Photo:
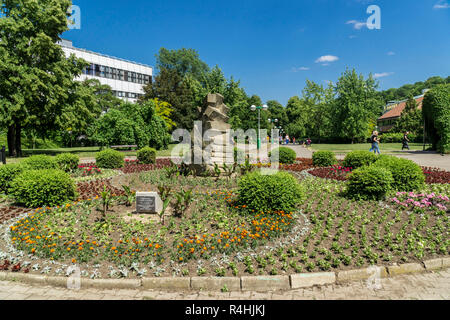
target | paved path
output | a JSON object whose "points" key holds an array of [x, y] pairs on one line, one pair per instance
{"points": [[425, 286]]}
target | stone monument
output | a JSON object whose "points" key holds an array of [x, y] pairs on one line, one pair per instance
{"points": [[214, 135]]}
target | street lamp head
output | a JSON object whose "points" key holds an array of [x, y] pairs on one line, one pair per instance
{"points": [[276, 120], [265, 107], [253, 107], [270, 120]]}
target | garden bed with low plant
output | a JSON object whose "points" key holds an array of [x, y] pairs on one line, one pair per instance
{"points": [[207, 231]]}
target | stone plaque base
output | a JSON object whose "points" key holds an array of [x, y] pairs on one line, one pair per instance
{"points": [[148, 202]]}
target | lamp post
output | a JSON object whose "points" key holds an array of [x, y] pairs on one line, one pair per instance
{"points": [[254, 108]]}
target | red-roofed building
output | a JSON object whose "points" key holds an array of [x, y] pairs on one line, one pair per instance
{"points": [[392, 112]]}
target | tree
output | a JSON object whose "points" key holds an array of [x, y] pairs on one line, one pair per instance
{"points": [[436, 112], [164, 110], [318, 101], [131, 124], [183, 61], [277, 111], [297, 117], [355, 106], [36, 78], [171, 87]]}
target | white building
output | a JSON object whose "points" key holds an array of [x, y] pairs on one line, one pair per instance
{"points": [[126, 78]]}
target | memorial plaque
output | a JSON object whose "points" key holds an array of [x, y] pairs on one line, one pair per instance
{"points": [[148, 202]]}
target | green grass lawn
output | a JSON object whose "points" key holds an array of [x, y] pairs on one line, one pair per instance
{"points": [[82, 152], [384, 147]]}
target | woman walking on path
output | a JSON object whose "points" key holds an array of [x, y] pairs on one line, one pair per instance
{"points": [[375, 140]]}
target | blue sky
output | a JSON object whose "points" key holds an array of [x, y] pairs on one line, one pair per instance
{"points": [[274, 46]]}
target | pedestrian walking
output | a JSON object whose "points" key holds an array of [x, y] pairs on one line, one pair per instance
{"points": [[375, 143], [405, 141]]}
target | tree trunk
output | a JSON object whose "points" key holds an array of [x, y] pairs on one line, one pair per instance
{"points": [[18, 140], [11, 141]]}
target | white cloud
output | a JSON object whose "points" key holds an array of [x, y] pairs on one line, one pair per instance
{"points": [[326, 59], [294, 69], [383, 74], [352, 37], [357, 24], [391, 53], [442, 5]]}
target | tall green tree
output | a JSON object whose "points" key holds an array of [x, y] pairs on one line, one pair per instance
{"points": [[131, 123], [356, 105], [170, 86], [436, 112], [36, 79], [184, 61], [297, 115], [318, 103]]}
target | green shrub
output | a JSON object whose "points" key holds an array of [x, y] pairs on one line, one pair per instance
{"points": [[369, 183], [286, 155], [67, 162], [408, 175], [7, 174], [359, 158], [38, 188], [40, 162], [279, 191], [324, 158], [146, 155], [397, 137], [109, 159]]}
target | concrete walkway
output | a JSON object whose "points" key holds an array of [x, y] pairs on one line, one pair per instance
{"points": [[425, 286]]}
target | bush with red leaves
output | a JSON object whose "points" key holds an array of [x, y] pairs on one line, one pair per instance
{"points": [[335, 172], [134, 166], [435, 175], [91, 189]]}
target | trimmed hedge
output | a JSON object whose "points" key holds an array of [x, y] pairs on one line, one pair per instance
{"points": [[39, 188], [7, 174], [369, 183], [109, 159], [408, 176], [40, 162], [277, 192], [285, 155], [324, 158], [397, 137], [146, 155], [67, 162], [359, 158]]}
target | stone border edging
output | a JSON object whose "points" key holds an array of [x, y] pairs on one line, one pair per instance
{"points": [[244, 283]]}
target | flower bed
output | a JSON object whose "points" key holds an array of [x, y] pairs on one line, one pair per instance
{"points": [[94, 188], [432, 175], [335, 172], [133, 166], [422, 200]]}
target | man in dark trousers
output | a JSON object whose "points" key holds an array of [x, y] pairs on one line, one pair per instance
{"points": [[405, 141]]}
